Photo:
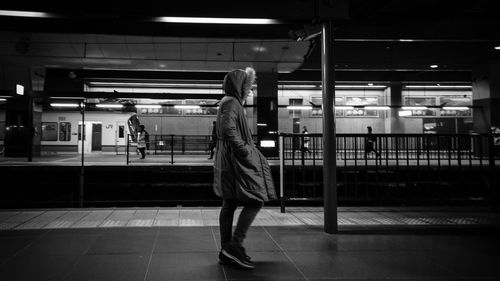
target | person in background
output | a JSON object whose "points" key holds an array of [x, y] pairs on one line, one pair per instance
{"points": [[370, 141], [141, 141], [213, 141], [241, 173], [305, 140]]}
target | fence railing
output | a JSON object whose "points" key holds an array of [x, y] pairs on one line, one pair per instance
{"points": [[391, 167], [384, 167]]}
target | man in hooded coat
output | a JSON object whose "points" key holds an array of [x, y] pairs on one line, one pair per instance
{"points": [[241, 173]]}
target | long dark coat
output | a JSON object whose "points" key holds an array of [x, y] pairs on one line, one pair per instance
{"points": [[240, 170]]}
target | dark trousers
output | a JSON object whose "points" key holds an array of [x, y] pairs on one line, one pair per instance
{"points": [[211, 148], [142, 150], [247, 216]]}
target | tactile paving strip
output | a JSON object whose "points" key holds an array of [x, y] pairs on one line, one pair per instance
{"points": [[78, 218]]}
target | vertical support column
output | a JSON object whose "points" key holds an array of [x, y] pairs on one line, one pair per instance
{"points": [[396, 125], [486, 97], [329, 151], [82, 168], [267, 109]]}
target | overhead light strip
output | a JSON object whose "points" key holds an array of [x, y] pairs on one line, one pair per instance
{"points": [[26, 14], [64, 105], [182, 106], [109, 105], [198, 20]]}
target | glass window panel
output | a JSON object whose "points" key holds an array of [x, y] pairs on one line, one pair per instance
{"points": [[64, 131], [421, 101], [49, 131], [2, 130], [121, 131]]}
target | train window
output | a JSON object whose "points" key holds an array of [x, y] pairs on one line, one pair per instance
{"points": [[64, 131], [360, 112], [80, 132], [421, 101], [2, 130], [49, 131], [295, 113], [121, 131]]}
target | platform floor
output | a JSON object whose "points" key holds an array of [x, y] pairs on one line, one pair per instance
{"points": [[183, 243]]}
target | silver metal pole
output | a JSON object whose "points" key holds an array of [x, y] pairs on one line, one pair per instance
{"points": [[82, 168], [282, 178], [329, 164]]}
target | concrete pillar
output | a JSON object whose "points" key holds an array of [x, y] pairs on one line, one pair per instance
{"points": [[21, 122], [486, 96], [396, 123], [267, 108]]}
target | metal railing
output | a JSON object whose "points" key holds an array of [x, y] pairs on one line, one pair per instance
{"points": [[390, 167], [399, 168]]}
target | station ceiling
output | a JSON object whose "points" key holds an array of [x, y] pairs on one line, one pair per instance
{"points": [[375, 39]]}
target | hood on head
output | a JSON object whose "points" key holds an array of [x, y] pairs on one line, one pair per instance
{"points": [[238, 83]]}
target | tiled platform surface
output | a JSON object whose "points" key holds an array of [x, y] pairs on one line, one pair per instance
{"points": [[269, 216], [183, 244]]}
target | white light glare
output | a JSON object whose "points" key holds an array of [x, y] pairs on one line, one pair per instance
{"points": [[414, 107], [267, 143], [368, 107], [183, 106], [148, 106], [2, 99], [439, 86], [455, 108], [109, 105], [64, 105], [404, 113], [216, 20], [19, 89], [497, 47], [299, 107], [433, 66], [10, 13], [262, 124]]}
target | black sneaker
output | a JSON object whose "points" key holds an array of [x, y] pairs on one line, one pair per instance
{"points": [[223, 259], [237, 255]]}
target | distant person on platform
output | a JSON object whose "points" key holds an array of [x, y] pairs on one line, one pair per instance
{"points": [[241, 173], [370, 142], [142, 137], [305, 140], [213, 142]]}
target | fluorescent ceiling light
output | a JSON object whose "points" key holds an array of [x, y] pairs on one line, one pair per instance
{"points": [[370, 84], [109, 105], [2, 99], [216, 20], [406, 40], [19, 89], [261, 124], [149, 85], [148, 105], [346, 107], [377, 107], [186, 106], [299, 107], [414, 107], [433, 66], [497, 47], [267, 143], [11, 13], [361, 86], [455, 108], [439, 86], [404, 113], [64, 105]]}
